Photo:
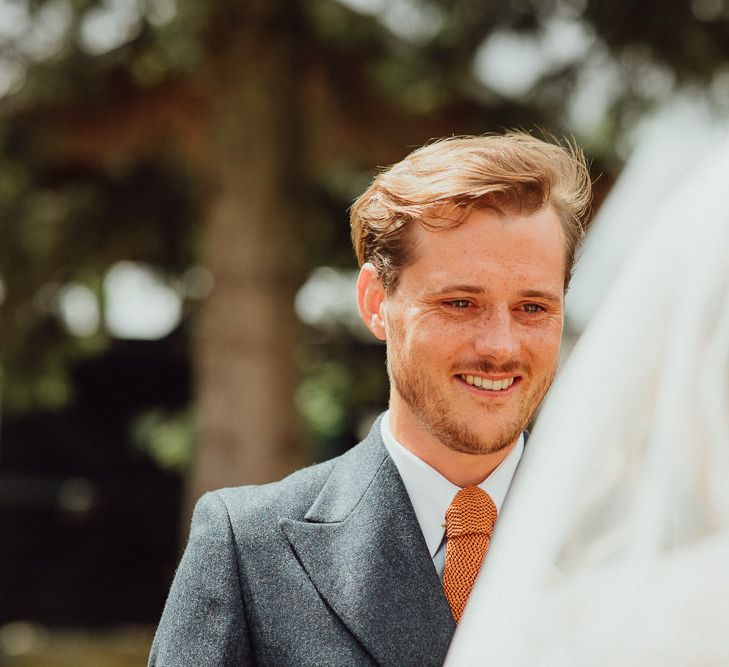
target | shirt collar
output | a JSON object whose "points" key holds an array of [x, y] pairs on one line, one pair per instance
{"points": [[431, 493]]}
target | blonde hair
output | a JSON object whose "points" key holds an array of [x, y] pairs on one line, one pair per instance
{"points": [[508, 172]]}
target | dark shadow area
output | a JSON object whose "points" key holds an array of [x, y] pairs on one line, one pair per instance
{"points": [[90, 521]]}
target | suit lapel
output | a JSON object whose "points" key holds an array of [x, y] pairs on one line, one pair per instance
{"points": [[363, 550]]}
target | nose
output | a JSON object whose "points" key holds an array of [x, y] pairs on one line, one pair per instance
{"points": [[495, 337]]}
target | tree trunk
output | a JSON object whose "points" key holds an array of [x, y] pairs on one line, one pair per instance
{"points": [[244, 345]]}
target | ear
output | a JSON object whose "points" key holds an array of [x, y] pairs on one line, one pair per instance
{"points": [[371, 300]]}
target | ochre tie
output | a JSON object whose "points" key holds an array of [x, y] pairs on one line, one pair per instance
{"points": [[469, 523]]}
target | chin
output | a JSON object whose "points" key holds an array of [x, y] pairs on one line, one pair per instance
{"points": [[479, 442]]}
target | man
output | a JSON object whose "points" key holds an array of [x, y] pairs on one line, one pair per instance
{"points": [[466, 248]]}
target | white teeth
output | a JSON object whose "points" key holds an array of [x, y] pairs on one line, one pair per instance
{"points": [[485, 383]]}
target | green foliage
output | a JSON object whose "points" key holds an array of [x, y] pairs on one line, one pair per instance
{"points": [[337, 27], [323, 397], [168, 438], [342, 381], [67, 224], [691, 38]]}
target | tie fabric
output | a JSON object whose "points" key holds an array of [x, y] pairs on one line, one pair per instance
{"points": [[470, 521]]}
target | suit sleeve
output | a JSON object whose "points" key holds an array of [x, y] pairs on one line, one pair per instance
{"points": [[204, 621]]}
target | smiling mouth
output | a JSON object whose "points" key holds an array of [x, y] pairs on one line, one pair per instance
{"points": [[489, 385]]}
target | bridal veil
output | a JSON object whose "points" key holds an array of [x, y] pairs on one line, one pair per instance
{"points": [[613, 545]]}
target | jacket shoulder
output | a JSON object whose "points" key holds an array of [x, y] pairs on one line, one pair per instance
{"points": [[290, 496], [293, 496]]}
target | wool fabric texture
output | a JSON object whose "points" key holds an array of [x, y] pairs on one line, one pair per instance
{"points": [[470, 520], [326, 567]]}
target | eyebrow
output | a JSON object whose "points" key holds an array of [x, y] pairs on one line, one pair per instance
{"points": [[540, 294], [469, 289], [473, 289]]}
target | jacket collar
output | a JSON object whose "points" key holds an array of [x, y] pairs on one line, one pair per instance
{"points": [[362, 548]]}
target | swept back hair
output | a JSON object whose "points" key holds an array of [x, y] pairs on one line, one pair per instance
{"points": [[510, 172]]}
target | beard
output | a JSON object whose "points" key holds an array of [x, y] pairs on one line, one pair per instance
{"points": [[435, 414]]}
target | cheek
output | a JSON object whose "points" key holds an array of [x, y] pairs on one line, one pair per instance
{"points": [[436, 339], [399, 341], [544, 346], [421, 331]]}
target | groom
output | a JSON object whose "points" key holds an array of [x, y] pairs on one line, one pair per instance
{"points": [[466, 248]]}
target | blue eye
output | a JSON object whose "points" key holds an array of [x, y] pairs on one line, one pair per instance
{"points": [[532, 308]]}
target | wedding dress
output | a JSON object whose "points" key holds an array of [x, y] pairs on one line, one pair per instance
{"points": [[612, 548]]}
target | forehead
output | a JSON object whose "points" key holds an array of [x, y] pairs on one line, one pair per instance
{"points": [[490, 248]]}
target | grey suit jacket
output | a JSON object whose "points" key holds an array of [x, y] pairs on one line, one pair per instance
{"points": [[326, 567]]}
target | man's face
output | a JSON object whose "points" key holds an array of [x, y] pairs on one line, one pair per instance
{"points": [[473, 328]]}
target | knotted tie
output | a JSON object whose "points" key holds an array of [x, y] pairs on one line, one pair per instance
{"points": [[470, 521]]}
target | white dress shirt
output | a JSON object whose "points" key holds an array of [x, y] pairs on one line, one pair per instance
{"points": [[431, 494]]}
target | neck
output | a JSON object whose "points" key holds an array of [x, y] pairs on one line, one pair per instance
{"points": [[458, 468]]}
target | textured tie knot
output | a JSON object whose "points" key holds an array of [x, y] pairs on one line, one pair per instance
{"points": [[471, 512]]}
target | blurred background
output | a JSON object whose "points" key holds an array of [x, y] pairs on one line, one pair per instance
{"points": [[176, 277]]}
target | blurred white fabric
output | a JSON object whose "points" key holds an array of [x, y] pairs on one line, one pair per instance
{"points": [[675, 137], [613, 545]]}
